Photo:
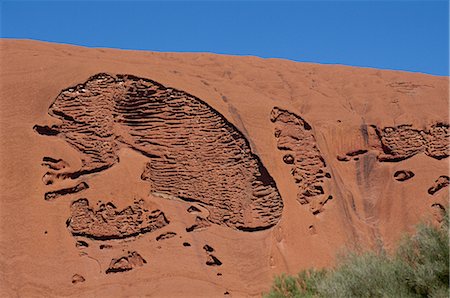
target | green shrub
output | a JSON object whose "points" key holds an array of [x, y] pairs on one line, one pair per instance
{"points": [[419, 268], [303, 285], [365, 275], [426, 255]]}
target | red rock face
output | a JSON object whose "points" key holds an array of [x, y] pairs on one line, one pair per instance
{"points": [[179, 175], [126, 263], [195, 153], [295, 137], [403, 142], [107, 222]]}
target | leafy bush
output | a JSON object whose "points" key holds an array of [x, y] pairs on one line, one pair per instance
{"points": [[426, 259], [303, 285], [419, 268]]}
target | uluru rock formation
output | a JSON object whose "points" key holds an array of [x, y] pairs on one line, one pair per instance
{"points": [[195, 153], [131, 173]]}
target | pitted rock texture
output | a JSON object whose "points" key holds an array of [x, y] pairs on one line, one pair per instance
{"points": [[51, 195], [196, 154], [440, 183], [352, 154], [165, 236], [403, 175], [295, 137], [126, 263], [107, 222], [200, 224], [54, 164], [406, 87], [77, 278], [213, 261], [404, 141]]}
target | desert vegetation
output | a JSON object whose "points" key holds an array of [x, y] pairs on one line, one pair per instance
{"points": [[418, 268]]}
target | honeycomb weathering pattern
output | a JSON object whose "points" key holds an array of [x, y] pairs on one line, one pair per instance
{"points": [[126, 263], [308, 168], [403, 141], [195, 153], [107, 222]]}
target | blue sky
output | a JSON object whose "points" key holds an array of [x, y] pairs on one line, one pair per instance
{"points": [[403, 35]]}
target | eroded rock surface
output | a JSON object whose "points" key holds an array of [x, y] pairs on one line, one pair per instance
{"points": [[439, 183], [106, 222], [196, 154], [200, 223], [51, 195], [404, 141], [308, 168], [77, 278], [126, 263], [165, 236], [403, 175]]}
